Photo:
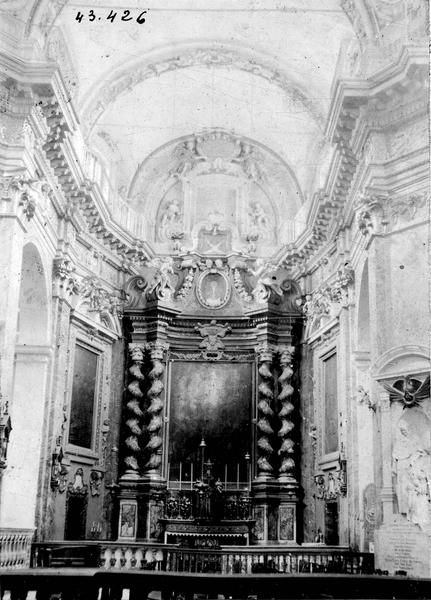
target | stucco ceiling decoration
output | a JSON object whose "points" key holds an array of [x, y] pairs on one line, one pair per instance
{"points": [[215, 191], [211, 55]]}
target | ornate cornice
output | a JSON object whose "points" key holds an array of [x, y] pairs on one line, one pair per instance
{"points": [[346, 121]]}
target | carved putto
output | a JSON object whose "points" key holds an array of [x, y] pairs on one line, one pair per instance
{"points": [[161, 285], [171, 222]]}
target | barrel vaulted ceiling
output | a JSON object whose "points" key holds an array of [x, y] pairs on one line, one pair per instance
{"points": [[260, 70]]}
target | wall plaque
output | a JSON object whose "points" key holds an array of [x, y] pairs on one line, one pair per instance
{"points": [[402, 546]]}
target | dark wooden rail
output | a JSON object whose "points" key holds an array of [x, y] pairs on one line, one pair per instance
{"points": [[228, 560], [95, 584]]}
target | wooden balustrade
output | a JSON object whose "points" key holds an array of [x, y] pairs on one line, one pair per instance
{"points": [[96, 584], [230, 560], [248, 560], [15, 548]]}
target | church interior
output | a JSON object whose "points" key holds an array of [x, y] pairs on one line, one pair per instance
{"points": [[214, 303]]}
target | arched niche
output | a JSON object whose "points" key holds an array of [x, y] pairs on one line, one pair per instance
{"points": [[33, 299], [19, 487], [396, 362]]}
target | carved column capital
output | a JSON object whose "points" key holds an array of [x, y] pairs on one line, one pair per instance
{"points": [[371, 211], [65, 282], [157, 349], [286, 353], [136, 352], [265, 352]]}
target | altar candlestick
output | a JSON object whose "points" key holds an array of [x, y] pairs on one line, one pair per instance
{"points": [[237, 476], [169, 471], [225, 477], [191, 476], [181, 473]]}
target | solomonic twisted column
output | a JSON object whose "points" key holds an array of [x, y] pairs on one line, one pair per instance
{"points": [[134, 413], [286, 451], [264, 429], [155, 409]]}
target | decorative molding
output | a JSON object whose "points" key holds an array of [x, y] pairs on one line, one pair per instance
{"points": [[409, 391], [377, 212], [337, 290], [240, 287], [222, 356], [56, 50], [212, 334], [98, 298], [187, 285], [394, 363], [331, 485]]}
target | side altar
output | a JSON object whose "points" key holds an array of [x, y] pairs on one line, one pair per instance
{"points": [[211, 366]]}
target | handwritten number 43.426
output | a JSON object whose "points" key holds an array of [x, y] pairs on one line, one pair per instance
{"points": [[112, 16]]}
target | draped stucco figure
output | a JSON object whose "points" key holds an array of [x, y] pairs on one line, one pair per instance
{"points": [[411, 465]]}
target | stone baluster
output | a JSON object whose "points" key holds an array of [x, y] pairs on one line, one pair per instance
{"points": [[265, 431], [134, 413], [287, 464], [155, 410]]}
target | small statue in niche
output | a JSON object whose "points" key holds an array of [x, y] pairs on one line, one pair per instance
{"points": [[318, 538], [96, 478]]}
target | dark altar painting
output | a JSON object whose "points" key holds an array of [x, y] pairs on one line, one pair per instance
{"points": [[214, 401]]}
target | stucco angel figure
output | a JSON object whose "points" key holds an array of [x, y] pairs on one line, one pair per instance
{"points": [[171, 221], [411, 465], [161, 283], [251, 163], [186, 159]]}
